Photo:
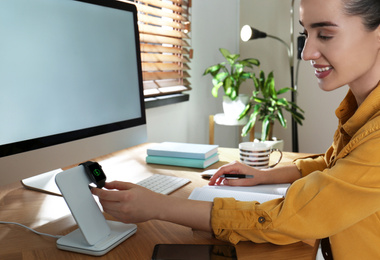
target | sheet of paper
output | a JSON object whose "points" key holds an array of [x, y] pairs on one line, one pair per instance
{"points": [[260, 193]]}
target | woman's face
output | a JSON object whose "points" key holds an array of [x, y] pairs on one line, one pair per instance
{"points": [[339, 47]]}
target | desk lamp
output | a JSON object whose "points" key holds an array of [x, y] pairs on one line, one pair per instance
{"points": [[249, 33]]}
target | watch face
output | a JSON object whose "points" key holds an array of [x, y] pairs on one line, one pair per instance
{"points": [[97, 172]]}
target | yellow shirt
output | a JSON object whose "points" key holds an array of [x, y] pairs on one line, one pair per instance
{"points": [[337, 197]]}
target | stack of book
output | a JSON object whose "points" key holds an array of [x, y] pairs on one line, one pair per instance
{"points": [[183, 154]]}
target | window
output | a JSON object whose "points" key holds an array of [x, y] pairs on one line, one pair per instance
{"points": [[165, 51]]}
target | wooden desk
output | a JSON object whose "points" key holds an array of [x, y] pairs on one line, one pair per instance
{"points": [[49, 214]]}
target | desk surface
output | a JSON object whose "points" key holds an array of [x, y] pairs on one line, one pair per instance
{"points": [[49, 214]]}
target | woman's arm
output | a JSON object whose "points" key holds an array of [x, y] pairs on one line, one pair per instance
{"points": [[131, 203], [284, 174]]}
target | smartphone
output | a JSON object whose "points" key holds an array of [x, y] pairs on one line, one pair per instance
{"points": [[191, 252]]}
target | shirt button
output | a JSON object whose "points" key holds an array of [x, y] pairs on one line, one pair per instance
{"points": [[261, 220]]}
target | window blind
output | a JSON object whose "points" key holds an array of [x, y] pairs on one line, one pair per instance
{"points": [[164, 27]]}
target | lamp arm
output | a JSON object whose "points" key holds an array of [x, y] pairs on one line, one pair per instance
{"points": [[294, 82], [287, 48], [292, 34], [291, 46]]}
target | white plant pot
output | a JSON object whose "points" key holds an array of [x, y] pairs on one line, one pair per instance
{"points": [[233, 108]]}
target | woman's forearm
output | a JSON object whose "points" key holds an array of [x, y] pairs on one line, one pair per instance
{"points": [[285, 174], [191, 213]]}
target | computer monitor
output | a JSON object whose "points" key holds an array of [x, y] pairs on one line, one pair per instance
{"points": [[70, 83]]}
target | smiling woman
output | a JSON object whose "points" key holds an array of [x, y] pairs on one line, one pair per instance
{"points": [[334, 195], [341, 45]]}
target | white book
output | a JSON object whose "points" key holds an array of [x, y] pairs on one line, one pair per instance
{"points": [[260, 193], [183, 150]]}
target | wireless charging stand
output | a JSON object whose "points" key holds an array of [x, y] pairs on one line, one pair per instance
{"points": [[95, 235]]}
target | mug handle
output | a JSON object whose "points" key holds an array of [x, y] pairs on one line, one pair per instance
{"points": [[275, 150]]}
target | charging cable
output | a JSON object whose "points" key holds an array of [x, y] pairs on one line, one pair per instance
{"points": [[38, 233]]}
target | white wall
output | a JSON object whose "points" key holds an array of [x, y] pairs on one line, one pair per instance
{"points": [[273, 17], [215, 24]]}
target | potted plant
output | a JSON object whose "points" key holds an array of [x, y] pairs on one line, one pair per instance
{"points": [[266, 106], [230, 74]]}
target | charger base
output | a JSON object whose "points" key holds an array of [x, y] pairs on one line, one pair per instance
{"points": [[76, 242]]}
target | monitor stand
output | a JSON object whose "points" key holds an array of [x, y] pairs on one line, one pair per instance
{"points": [[95, 235], [44, 182]]}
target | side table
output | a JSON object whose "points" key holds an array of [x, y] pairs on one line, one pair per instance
{"points": [[221, 119]]}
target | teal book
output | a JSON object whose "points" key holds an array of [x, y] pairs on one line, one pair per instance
{"points": [[184, 162], [183, 150]]}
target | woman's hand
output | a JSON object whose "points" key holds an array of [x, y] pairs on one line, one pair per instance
{"points": [[236, 168], [282, 174], [128, 202]]}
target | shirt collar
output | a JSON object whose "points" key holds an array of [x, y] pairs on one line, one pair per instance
{"points": [[352, 117]]}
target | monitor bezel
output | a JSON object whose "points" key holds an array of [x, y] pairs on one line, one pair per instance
{"points": [[51, 140]]}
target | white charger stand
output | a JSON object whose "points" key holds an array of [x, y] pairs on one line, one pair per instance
{"points": [[96, 235]]}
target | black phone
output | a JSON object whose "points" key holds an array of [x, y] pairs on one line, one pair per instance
{"points": [[191, 252]]}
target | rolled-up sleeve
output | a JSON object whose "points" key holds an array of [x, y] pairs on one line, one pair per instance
{"points": [[310, 164], [230, 215]]}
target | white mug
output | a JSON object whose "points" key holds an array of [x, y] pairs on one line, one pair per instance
{"points": [[257, 154]]}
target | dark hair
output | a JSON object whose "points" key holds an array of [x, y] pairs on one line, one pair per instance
{"points": [[368, 10]]}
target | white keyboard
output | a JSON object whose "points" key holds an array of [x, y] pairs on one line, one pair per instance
{"points": [[163, 184]]}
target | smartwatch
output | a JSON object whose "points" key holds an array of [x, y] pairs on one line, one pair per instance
{"points": [[95, 173]]}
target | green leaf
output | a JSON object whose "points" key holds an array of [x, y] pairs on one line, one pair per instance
{"points": [[270, 85], [282, 102], [281, 118], [256, 83], [221, 76], [233, 57], [265, 128], [256, 109], [233, 94], [245, 75], [297, 115], [225, 52], [297, 119], [227, 83], [247, 128], [212, 69], [228, 91], [259, 100], [294, 105], [215, 82], [255, 62], [262, 84], [262, 76], [246, 110], [283, 90], [251, 121], [214, 90], [239, 68]]}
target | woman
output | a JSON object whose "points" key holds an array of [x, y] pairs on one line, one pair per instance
{"points": [[335, 195]]}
